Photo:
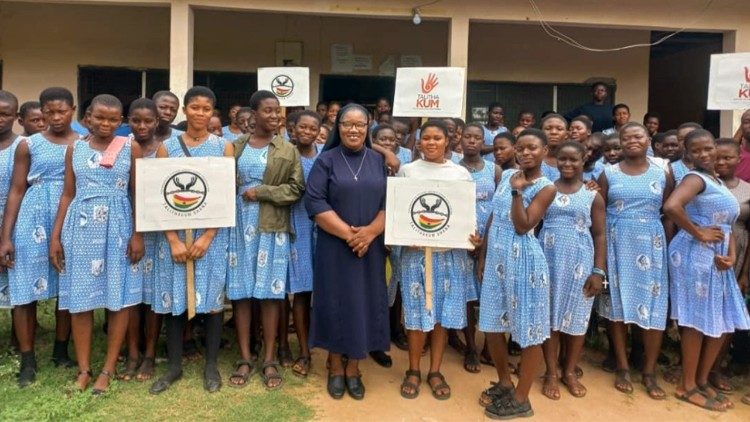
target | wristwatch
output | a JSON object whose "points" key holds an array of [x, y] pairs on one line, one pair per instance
{"points": [[515, 192], [600, 272]]}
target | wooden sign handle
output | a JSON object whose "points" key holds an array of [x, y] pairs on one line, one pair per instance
{"points": [[428, 278], [190, 272]]}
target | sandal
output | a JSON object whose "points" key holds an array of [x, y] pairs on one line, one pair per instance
{"points": [[623, 383], [708, 404], [471, 362], [652, 388], [88, 374], [711, 393], [414, 387], [575, 388], [746, 399], [578, 371], [550, 390], [673, 374], [285, 357], [99, 391], [301, 366], [131, 367], [275, 376], [239, 379], [720, 382], [496, 391], [146, 370], [441, 386]]}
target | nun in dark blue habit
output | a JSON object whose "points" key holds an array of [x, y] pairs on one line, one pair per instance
{"points": [[346, 198]]}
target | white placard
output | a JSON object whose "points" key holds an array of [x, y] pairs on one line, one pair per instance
{"points": [[291, 85], [729, 82], [362, 62], [429, 92], [342, 58], [184, 193], [430, 213]]}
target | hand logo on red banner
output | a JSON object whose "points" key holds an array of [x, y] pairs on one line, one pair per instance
{"points": [[432, 82]]}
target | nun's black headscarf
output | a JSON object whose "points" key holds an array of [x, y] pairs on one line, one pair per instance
{"points": [[334, 138]]}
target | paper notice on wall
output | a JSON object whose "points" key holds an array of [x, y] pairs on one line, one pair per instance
{"points": [[342, 58], [362, 62], [729, 82], [291, 85], [388, 67], [429, 92], [410, 60]]}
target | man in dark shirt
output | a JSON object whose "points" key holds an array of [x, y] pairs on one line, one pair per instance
{"points": [[599, 110]]}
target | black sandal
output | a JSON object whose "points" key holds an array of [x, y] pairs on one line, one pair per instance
{"points": [[471, 362], [244, 376], [131, 368], [271, 377], [301, 367], [496, 391], [110, 375], [712, 393], [623, 383], [652, 388], [709, 404], [441, 386], [408, 384]]}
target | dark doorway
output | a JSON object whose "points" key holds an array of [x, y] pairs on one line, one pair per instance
{"points": [[365, 90], [678, 79]]}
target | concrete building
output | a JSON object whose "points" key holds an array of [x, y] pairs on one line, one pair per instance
{"points": [[131, 48]]}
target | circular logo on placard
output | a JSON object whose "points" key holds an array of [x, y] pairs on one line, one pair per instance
{"points": [[184, 191], [282, 86], [430, 212]]}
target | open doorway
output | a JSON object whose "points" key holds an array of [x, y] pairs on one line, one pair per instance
{"points": [[678, 79]]}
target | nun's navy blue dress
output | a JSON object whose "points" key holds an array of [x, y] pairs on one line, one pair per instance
{"points": [[349, 305]]}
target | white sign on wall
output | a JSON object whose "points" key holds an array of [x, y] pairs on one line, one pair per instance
{"points": [[291, 85], [184, 193], [729, 82], [429, 92], [430, 213]]}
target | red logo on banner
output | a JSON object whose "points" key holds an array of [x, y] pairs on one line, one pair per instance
{"points": [[432, 82]]}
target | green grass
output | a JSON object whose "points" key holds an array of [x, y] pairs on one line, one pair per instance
{"points": [[54, 397]]}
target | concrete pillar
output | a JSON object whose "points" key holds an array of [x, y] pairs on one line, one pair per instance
{"points": [[181, 50], [458, 48]]}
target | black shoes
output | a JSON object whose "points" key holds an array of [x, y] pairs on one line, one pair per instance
{"points": [[509, 408], [355, 388], [211, 380], [382, 359], [336, 386], [27, 373], [162, 384]]}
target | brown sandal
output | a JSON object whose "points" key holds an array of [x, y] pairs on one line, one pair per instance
{"points": [[652, 388], [623, 383], [575, 388], [549, 391], [110, 375]]}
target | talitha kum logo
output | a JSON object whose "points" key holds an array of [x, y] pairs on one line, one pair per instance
{"points": [[430, 213], [282, 86], [185, 191], [427, 100]]}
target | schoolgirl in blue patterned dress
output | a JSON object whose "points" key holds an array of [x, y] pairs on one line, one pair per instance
{"points": [[167, 105], [485, 176], [305, 131], [635, 190], [450, 273], [515, 278], [555, 127], [94, 246], [270, 180], [682, 167], [574, 242], [208, 251], [143, 119], [705, 298], [37, 183], [8, 143]]}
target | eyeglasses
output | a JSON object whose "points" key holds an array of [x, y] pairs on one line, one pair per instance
{"points": [[350, 125]]}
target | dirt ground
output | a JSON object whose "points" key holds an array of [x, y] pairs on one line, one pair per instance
{"points": [[382, 401]]}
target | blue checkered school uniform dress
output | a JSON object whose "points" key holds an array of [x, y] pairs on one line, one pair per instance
{"points": [[404, 155], [149, 257], [636, 249], [515, 287], [258, 262], [6, 173], [701, 296], [484, 180], [95, 236], [679, 170], [33, 278], [301, 261], [210, 271], [569, 249], [551, 173]]}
